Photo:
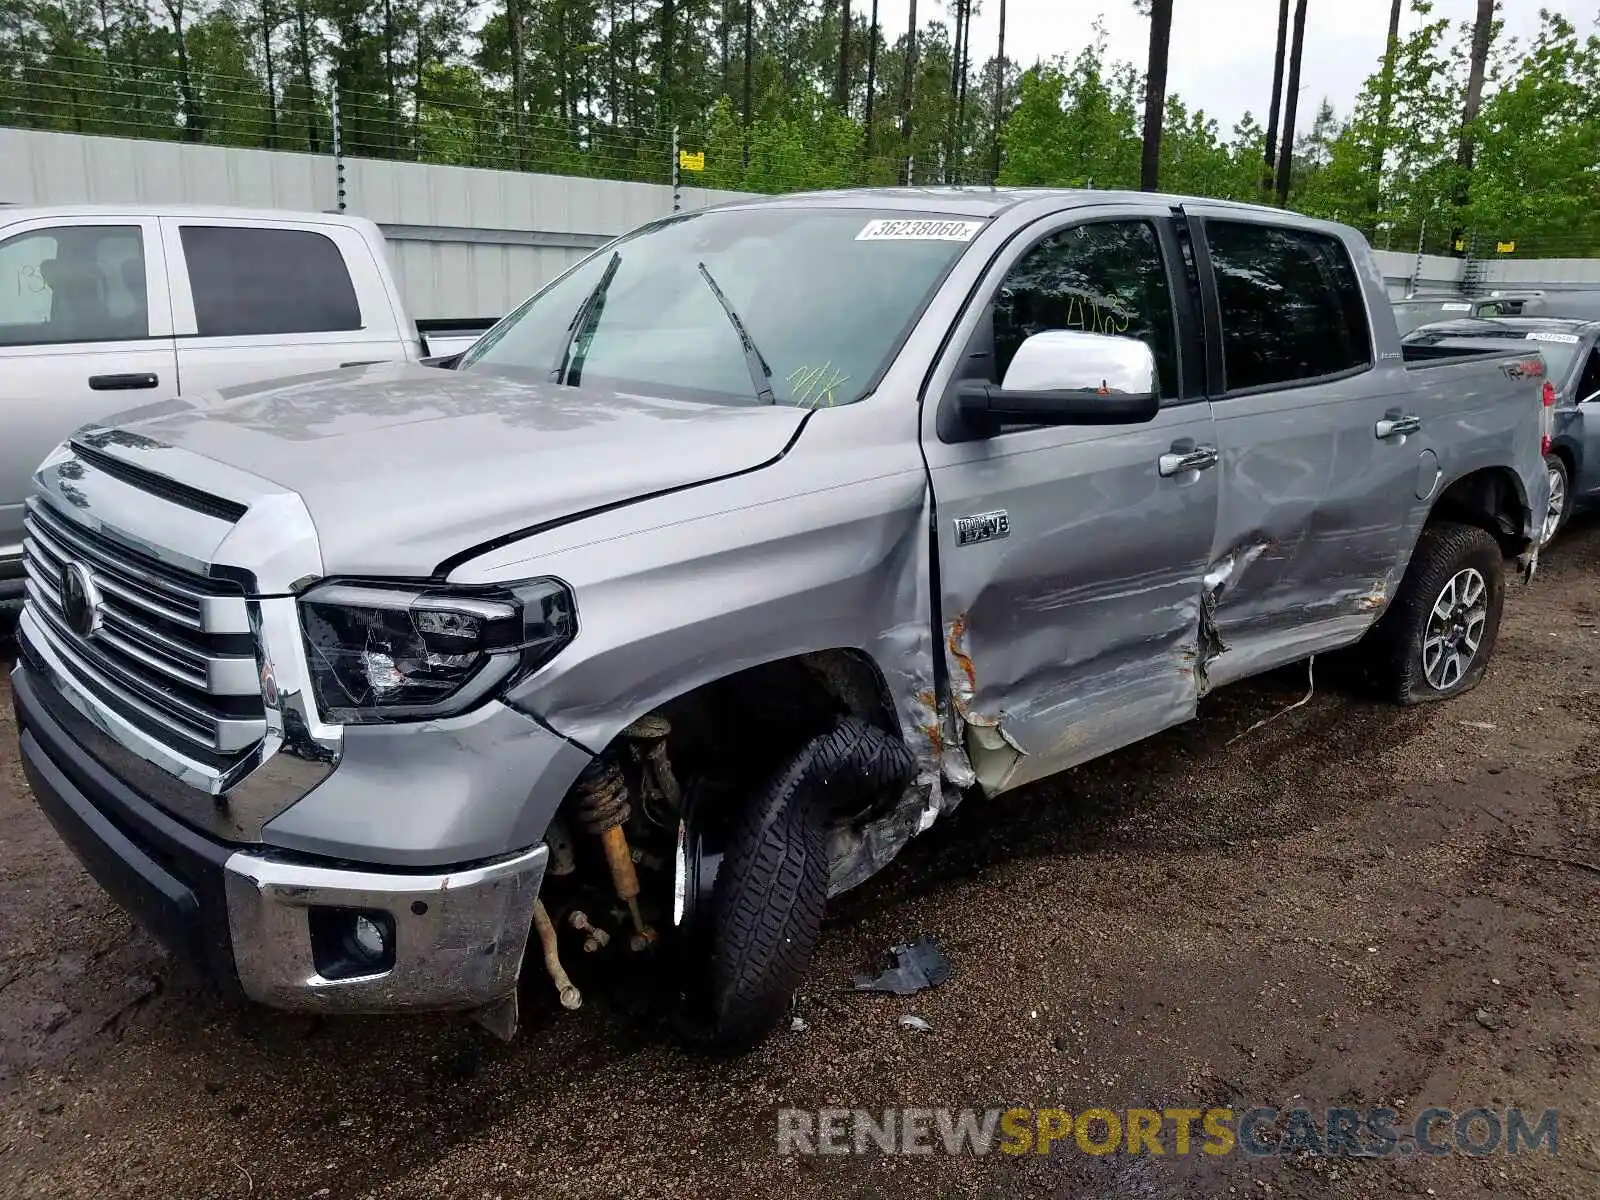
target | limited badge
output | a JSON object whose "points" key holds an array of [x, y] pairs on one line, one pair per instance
{"points": [[982, 527]]}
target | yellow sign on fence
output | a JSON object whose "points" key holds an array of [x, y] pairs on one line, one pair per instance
{"points": [[1506, 247], [692, 160]]}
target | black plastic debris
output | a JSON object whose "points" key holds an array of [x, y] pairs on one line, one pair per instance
{"points": [[918, 965]]}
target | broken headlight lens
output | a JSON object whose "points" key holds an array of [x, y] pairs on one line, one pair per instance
{"points": [[381, 652]]}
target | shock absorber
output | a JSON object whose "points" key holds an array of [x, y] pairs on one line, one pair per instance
{"points": [[658, 784], [601, 808]]}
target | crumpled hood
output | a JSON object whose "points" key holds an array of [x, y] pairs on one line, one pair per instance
{"points": [[403, 466]]}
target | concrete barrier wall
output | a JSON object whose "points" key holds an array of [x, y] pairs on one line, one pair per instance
{"points": [[466, 242]]}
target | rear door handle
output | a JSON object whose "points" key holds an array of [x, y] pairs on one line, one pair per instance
{"points": [[122, 383], [1201, 458], [1397, 425]]}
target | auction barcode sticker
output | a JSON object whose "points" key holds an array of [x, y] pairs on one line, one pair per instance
{"points": [[919, 231], [1565, 339]]}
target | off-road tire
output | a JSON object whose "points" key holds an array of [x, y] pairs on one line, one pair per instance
{"points": [[741, 964], [1392, 649], [766, 913]]}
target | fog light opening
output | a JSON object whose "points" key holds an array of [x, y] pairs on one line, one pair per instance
{"points": [[349, 943]]}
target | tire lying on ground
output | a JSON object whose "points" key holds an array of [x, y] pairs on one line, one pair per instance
{"points": [[1435, 639]]}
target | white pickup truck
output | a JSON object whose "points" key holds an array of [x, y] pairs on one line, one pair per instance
{"points": [[106, 308]]}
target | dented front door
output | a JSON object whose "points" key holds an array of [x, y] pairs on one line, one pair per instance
{"points": [[1069, 565]]}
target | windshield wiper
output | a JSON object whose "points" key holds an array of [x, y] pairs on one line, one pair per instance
{"points": [[583, 320], [760, 373]]}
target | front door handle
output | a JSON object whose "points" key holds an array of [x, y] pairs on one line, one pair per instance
{"points": [[1201, 458], [1397, 425], [122, 383]]}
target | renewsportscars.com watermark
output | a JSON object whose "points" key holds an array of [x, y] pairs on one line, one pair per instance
{"points": [[1257, 1132]]}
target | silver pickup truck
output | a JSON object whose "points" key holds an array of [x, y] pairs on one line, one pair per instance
{"points": [[725, 566]]}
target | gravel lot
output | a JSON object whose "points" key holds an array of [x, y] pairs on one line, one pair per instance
{"points": [[1325, 911]]}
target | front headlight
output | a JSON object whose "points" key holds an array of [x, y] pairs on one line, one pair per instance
{"points": [[382, 652]]}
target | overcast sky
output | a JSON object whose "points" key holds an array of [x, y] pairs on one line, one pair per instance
{"points": [[1221, 57]]}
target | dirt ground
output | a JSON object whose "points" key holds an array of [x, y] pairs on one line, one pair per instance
{"points": [[1326, 911]]}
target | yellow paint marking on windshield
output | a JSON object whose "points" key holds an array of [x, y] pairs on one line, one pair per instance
{"points": [[817, 384], [1086, 312]]}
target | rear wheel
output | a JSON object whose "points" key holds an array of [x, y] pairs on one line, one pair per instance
{"points": [[1560, 504], [1436, 639]]}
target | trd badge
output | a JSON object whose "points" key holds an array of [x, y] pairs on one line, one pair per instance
{"points": [[982, 527]]}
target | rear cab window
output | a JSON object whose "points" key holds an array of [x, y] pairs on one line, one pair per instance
{"points": [[254, 282], [73, 283], [1292, 307]]}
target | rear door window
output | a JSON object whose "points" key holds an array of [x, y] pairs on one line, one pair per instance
{"points": [[73, 283], [1292, 306], [267, 281]]}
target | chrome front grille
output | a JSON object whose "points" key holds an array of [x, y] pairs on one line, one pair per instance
{"points": [[167, 651]]}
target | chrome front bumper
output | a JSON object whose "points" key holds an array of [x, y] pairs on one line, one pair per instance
{"points": [[244, 915], [459, 935]]}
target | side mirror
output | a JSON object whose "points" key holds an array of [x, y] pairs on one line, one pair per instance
{"points": [[1066, 377]]}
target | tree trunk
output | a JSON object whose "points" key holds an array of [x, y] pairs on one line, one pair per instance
{"points": [[634, 118], [390, 85], [105, 36], [1380, 140], [1482, 31], [841, 87], [303, 49], [416, 88], [999, 91], [749, 77], [613, 97], [872, 77], [955, 50], [669, 21], [268, 25], [722, 40], [588, 85], [907, 94], [1291, 102], [563, 68], [961, 96], [514, 48], [193, 122], [1155, 93], [1269, 155]]}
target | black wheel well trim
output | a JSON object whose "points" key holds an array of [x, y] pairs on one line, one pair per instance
{"points": [[1491, 498]]}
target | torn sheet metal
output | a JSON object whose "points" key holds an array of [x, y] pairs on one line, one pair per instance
{"points": [[858, 851], [904, 652]]}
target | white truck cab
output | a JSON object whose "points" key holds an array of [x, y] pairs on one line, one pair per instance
{"points": [[107, 308]]}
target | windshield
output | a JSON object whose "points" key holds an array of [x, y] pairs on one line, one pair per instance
{"points": [[824, 297], [1559, 349], [1412, 314]]}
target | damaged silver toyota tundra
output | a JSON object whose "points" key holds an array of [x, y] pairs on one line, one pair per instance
{"points": [[725, 566]]}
